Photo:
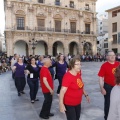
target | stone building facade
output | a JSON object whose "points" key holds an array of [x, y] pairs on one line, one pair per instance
{"points": [[114, 29], [60, 26]]}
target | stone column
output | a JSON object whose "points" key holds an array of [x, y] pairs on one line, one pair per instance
{"points": [[50, 46]]}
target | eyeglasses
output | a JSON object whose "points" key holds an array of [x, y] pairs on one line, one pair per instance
{"points": [[78, 64], [112, 55]]}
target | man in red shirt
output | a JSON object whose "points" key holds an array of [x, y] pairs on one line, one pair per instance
{"points": [[107, 79], [47, 89]]}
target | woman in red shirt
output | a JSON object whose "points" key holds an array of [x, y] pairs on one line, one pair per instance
{"points": [[72, 91]]}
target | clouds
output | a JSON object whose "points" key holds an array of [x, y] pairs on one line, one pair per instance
{"points": [[103, 5]]}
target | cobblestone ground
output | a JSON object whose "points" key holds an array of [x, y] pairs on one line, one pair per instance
{"points": [[13, 107]]}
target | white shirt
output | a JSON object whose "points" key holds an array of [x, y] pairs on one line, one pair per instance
{"points": [[114, 111]]}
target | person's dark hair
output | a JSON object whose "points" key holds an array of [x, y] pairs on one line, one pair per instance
{"points": [[31, 59], [72, 62], [58, 57], [117, 75]]}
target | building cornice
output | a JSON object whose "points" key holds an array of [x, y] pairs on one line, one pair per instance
{"points": [[115, 8]]}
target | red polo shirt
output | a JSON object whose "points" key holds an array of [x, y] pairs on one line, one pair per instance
{"points": [[73, 95], [44, 72], [107, 71]]}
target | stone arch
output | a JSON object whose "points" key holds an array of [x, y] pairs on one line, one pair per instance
{"points": [[58, 47], [41, 48], [73, 48], [87, 48], [21, 47]]}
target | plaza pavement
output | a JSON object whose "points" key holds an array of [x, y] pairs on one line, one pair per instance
{"points": [[13, 107]]}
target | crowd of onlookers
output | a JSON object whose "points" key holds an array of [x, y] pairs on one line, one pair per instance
{"points": [[5, 62]]}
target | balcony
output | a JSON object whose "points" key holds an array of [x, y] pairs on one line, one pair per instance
{"points": [[45, 29], [72, 6], [19, 28]]}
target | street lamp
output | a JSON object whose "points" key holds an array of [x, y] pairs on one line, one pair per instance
{"points": [[33, 42]]}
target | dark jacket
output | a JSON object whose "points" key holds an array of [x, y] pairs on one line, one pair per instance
{"points": [[30, 68]]}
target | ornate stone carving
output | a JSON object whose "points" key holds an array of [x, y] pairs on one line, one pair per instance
{"points": [[57, 16], [20, 12], [41, 15], [87, 17]]}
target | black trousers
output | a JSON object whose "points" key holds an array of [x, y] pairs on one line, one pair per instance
{"points": [[60, 83], [73, 112], [45, 111], [108, 89], [20, 83], [33, 85]]}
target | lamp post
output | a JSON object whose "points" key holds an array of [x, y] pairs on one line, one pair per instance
{"points": [[33, 42]]}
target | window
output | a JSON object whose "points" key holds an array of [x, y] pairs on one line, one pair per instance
{"points": [[106, 40], [114, 27], [114, 13], [73, 27], [57, 2], [114, 39], [71, 4], [57, 26], [100, 22], [41, 1], [100, 28], [119, 10], [41, 24], [20, 23], [97, 42], [87, 7], [87, 28], [105, 45]]}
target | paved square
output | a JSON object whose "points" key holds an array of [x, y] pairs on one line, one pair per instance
{"points": [[13, 107]]}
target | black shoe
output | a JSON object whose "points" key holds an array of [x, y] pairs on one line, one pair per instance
{"points": [[19, 94], [51, 114], [36, 99], [44, 117], [22, 92]]}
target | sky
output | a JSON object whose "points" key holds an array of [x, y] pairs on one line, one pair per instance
{"points": [[101, 6]]}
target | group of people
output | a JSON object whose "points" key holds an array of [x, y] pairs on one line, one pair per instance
{"points": [[41, 71], [70, 88], [4, 64]]}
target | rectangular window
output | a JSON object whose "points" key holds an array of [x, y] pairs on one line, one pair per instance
{"points": [[73, 27], [106, 40], [20, 23], [87, 7], [41, 24], [87, 28], [105, 45], [71, 4], [57, 26], [41, 1], [114, 39], [57, 2], [114, 27], [114, 13]]}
